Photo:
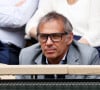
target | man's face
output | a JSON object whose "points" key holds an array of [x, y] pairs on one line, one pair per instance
{"points": [[54, 44]]}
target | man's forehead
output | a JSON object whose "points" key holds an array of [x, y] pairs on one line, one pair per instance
{"points": [[52, 27]]}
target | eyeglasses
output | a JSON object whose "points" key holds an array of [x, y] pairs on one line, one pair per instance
{"points": [[55, 37]]}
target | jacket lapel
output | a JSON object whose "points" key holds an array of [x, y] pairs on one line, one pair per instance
{"points": [[73, 56]]}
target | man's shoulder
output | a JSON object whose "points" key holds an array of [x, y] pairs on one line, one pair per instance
{"points": [[29, 53], [31, 48], [85, 50], [83, 47], [85, 53]]}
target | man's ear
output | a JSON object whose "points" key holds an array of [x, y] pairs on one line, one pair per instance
{"points": [[69, 38]]}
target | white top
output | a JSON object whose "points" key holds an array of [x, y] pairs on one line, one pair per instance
{"points": [[13, 17], [84, 16]]}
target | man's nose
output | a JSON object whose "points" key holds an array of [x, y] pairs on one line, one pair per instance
{"points": [[49, 41]]}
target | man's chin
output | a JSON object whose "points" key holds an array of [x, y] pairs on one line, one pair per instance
{"points": [[50, 56]]}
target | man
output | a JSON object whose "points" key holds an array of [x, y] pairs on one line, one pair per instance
{"points": [[14, 14], [56, 46]]}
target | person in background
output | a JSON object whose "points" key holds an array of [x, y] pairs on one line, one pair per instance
{"points": [[83, 14], [14, 14], [56, 46]]}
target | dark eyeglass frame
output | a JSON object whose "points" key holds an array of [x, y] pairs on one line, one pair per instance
{"points": [[55, 37]]}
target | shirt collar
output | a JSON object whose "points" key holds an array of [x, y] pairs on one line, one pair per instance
{"points": [[61, 62]]}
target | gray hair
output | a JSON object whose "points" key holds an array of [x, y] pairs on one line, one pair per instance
{"points": [[56, 16]]}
